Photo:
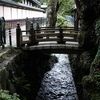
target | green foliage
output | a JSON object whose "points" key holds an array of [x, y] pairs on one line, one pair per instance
{"points": [[97, 78], [96, 62], [4, 95], [61, 21], [13, 50], [97, 28], [17, 0], [65, 9], [91, 86], [21, 82], [43, 1], [66, 6], [3, 57]]}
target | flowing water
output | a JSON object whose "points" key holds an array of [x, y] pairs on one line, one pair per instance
{"points": [[58, 83]]}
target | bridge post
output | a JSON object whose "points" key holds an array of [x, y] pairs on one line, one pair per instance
{"points": [[10, 41], [18, 35], [32, 32], [2, 32], [38, 30], [61, 36]]}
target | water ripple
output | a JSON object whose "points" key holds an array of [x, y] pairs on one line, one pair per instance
{"points": [[58, 83]]}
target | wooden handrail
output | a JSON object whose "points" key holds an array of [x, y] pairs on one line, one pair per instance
{"points": [[70, 30], [26, 35], [60, 35], [25, 31], [45, 34]]}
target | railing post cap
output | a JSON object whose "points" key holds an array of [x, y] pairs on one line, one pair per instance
{"points": [[18, 25]]}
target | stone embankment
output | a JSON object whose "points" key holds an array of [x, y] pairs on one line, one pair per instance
{"points": [[8, 61], [22, 72]]}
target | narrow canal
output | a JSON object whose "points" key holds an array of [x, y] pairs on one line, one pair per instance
{"points": [[58, 83]]}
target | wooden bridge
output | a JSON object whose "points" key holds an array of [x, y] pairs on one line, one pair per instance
{"points": [[48, 39]]}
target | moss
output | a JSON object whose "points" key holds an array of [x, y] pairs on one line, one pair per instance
{"points": [[95, 96], [96, 61], [81, 69], [97, 27], [88, 83], [91, 85]]}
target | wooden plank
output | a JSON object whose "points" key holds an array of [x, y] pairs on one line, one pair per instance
{"points": [[25, 42], [71, 30], [71, 40], [50, 39], [47, 30], [59, 27], [26, 35], [46, 34], [69, 34], [56, 34], [25, 31]]}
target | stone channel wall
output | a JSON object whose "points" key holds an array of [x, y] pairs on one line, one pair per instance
{"points": [[21, 72], [8, 70]]}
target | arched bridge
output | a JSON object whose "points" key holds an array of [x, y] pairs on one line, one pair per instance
{"points": [[48, 39]]}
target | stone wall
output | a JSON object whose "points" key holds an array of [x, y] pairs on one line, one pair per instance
{"points": [[22, 73]]}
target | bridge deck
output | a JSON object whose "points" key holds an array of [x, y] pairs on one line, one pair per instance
{"points": [[55, 48]]}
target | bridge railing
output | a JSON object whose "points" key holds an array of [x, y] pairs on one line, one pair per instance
{"points": [[59, 35], [44, 34], [2, 32]]}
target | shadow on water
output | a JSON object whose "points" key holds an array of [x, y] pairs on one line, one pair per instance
{"points": [[58, 83]]}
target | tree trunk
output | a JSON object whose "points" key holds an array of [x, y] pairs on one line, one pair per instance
{"points": [[78, 6], [52, 10]]}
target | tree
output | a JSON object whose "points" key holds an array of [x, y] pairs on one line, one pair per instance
{"points": [[77, 2], [66, 6], [43, 1], [52, 10], [55, 8], [89, 40], [65, 9]]}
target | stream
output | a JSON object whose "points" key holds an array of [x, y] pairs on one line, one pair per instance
{"points": [[58, 83]]}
